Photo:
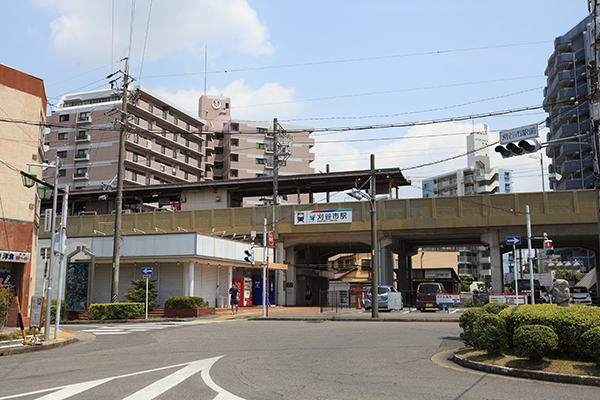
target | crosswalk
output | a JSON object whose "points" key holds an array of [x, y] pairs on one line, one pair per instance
{"points": [[124, 329]]}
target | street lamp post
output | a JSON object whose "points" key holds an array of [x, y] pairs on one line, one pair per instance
{"points": [[541, 158], [357, 194]]}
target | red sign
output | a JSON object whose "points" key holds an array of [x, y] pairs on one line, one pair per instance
{"points": [[270, 237]]}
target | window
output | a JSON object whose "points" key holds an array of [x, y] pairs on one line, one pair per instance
{"points": [[218, 164], [82, 135], [175, 136], [174, 153], [235, 142], [174, 171], [164, 114], [175, 120], [163, 132], [81, 153], [134, 157], [185, 175], [234, 158], [62, 172], [261, 161], [136, 138], [136, 120], [219, 136], [150, 123], [187, 143], [187, 158], [63, 135], [218, 150], [163, 149], [507, 175], [81, 172], [199, 163], [61, 154], [261, 130], [134, 176], [162, 167], [148, 162], [150, 108], [261, 175], [147, 180], [84, 116], [507, 187], [233, 173], [63, 118], [187, 127], [262, 146], [235, 127]]}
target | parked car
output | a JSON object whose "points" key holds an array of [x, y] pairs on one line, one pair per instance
{"points": [[427, 295], [382, 297], [540, 293], [580, 295]]}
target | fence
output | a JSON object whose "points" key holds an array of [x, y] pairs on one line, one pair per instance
{"points": [[330, 300]]}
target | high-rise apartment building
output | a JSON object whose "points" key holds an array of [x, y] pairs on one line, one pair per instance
{"points": [[565, 100], [164, 144], [476, 178]]}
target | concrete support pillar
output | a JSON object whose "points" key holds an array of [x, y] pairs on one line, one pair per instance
{"points": [[491, 239], [229, 279], [404, 274], [386, 266], [191, 267]]}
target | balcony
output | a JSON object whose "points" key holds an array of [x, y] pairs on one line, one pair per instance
{"points": [[80, 176], [82, 157], [83, 137], [84, 119]]}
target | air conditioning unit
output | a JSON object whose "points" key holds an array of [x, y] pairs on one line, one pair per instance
{"points": [[217, 198]]}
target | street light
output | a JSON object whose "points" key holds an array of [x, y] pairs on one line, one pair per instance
{"points": [[359, 195], [541, 158]]}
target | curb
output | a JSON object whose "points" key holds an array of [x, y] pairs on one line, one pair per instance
{"points": [[44, 346], [352, 319], [527, 374]]}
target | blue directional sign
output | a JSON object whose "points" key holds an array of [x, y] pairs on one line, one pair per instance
{"points": [[513, 240], [147, 271]]}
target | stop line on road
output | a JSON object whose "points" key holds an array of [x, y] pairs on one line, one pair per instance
{"points": [[124, 329]]}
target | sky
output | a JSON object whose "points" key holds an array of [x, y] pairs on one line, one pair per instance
{"points": [[332, 65]]}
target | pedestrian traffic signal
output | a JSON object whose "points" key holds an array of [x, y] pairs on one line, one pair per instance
{"points": [[249, 256], [548, 247], [518, 149]]}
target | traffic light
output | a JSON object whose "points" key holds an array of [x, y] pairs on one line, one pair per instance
{"points": [[548, 247], [249, 256], [523, 147]]}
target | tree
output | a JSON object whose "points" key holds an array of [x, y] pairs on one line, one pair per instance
{"points": [[137, 294], [465, 283], [571, 276], [526, 269]]}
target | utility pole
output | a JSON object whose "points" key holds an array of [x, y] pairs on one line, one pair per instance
{"points": [[374, 252], [114, 290], [281, 152]]}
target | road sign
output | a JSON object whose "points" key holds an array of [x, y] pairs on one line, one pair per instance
{"points": [[518, 134], [513, 240], [147, 271], [271, 241]]}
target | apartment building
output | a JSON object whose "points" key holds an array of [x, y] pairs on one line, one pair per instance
{"points": [[164, 144], [247, 149], [476, 178], [567, 89], [22, 119]]}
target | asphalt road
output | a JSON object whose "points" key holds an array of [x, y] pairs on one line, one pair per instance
{"points": [[262, 360]]}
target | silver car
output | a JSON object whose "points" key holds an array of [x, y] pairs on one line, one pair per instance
{"points": [[580, 295]]}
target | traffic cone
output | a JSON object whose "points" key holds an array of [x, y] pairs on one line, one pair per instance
{"points": [[358, 304]]}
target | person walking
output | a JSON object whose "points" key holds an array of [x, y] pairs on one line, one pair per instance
{"points": [[233, 293], [308, 296]]}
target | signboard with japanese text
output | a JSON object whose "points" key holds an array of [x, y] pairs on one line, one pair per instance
{"points": [[323, 217], [6, 278], [517, 134], [37, 306], [509, 298], [15, 256], [448, 299]]}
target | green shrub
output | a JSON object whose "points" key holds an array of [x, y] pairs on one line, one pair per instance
{"points": [[569, 323], [591, 344], [495, 308], [137, 294], [534, 341], [489, 333], [115, 311], [185, 302], [466, 321], [7, 296]]}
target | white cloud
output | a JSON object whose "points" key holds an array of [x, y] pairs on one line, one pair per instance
{"points": [[280, 99], [83, 30]]}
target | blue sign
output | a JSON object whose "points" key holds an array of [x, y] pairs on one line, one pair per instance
{"points": [[513, 240], [146, 271]]}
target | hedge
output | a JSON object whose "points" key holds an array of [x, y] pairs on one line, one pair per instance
{"points": [[591, 340], [115, 311], [489, 332], [534, 341], [569, 323], [495, 308], [466, 321], [185, 302]]}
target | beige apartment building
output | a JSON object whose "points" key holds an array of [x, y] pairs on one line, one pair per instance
{"points": [[165, 143], [22, 118]]}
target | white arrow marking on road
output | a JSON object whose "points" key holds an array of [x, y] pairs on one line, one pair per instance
{"points": [[149, 392]]}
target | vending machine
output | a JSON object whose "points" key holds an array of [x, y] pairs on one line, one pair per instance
{"points": [[244, 285]]}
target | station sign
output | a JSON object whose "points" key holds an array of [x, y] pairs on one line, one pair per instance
{"points": [[518, 134], [323, 217]]}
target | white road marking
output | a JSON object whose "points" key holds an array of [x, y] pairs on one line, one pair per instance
{"points": [[149, 392], [453, 311]]}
